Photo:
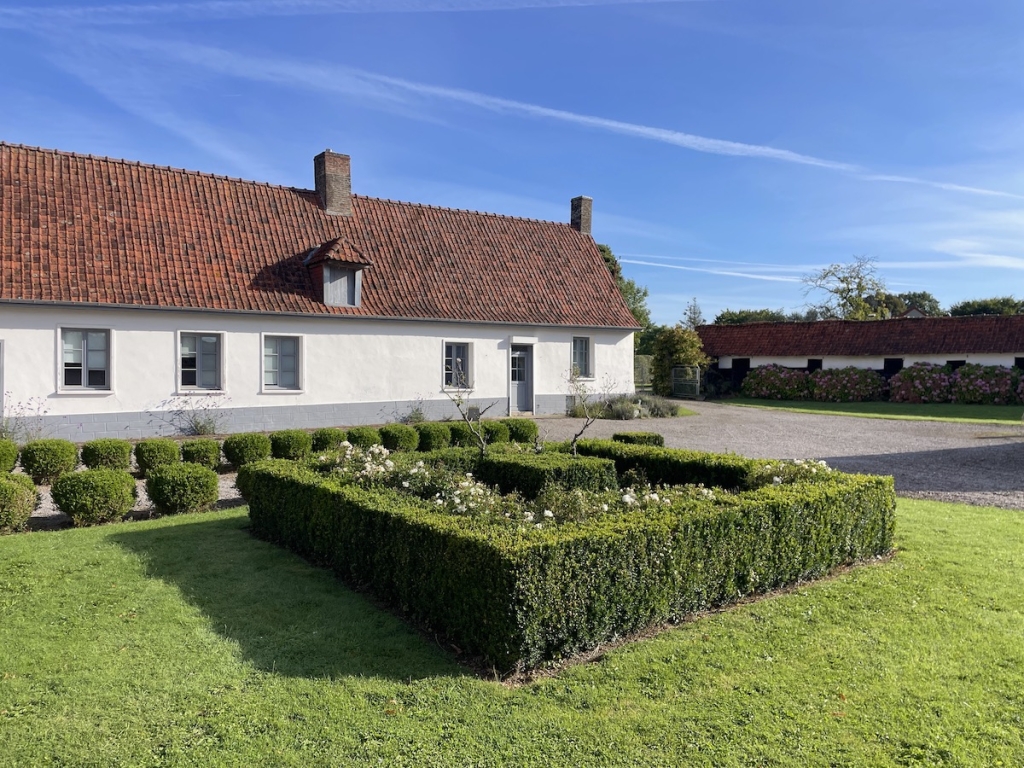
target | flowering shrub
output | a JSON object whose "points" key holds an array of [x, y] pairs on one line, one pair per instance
{"points": [[784, 471], [847, 385], [985, 385], [921, 383], [773, 382]]}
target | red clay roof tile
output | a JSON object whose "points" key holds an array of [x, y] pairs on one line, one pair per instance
{"points": [[892, 338], [83, 229]]}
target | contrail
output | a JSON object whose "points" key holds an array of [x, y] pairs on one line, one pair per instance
{"points": [[727, 273]]}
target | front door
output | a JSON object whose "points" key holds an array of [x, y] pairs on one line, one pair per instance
{"points": [[521, 395]]}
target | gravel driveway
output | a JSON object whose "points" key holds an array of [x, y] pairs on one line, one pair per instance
{"points": [[967, 463]]}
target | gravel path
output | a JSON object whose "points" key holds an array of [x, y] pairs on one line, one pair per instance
{"points": [[966, 463]]}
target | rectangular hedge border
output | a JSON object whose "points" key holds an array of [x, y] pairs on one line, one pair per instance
{"points": [[520, 597], [674, 466], [528, 473]]}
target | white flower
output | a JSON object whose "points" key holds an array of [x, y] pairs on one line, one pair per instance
{"points": [[405, 483], [548, 513], [627, 498], [604, 507], [776, 481], [539, 525], [654, 497], [528, 516]]}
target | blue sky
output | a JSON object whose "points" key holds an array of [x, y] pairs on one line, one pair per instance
{"points": [[730, 146]]}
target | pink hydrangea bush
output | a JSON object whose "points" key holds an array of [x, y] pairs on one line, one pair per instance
{"points": [[773, 382], [921, 383], [847, 385], [985, 385]]}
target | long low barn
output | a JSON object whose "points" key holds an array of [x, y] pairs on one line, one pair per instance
{"points": [[132, 293], [883, 345]]}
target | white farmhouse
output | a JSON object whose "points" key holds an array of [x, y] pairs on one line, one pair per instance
{"points": [[127, 290]]}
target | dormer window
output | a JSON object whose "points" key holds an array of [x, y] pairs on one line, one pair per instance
{"points": [[336, 268]]}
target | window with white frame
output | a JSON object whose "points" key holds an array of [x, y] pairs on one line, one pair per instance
{"points": [[85, 358], [281, 362], [200, 360], [581, 363], [456, 364]]}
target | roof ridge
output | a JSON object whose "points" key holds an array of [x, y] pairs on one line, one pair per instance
{"points": [[223, 177]]}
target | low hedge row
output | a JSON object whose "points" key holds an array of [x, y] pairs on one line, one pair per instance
{"points": [[639, 438], [527, 473], [518, 596], [670, 466]]}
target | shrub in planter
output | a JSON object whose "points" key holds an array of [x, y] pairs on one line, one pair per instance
{"points": [[8, 455], [150, 454], [107, 453], [494, 432], [399, 437], [921, 383], [246, 447], [364, 437], [180, 488], [328, 438], [847, 385], [46, 460], [984, 385], [462, 435], [95, 495], [205, 452], [521, 430], [773, 382], [434, 436], [290, 444], [639, 438], [18, 498]]}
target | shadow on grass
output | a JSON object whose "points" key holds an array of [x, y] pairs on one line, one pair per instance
{"points": [[286, 616]]}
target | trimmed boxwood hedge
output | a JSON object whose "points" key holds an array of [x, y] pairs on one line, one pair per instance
{"points": [[290, 444], [364, 437], [328, 438], [433, 435], [399, 437], [670, 466], [639, 438], [462, 435], [246, 447], [46, 460], [521, 430], [95, 495], [150, 454], [180, 488], [107, 453], [494, 432], [8, 455], [18, 499], [518, 596], [528, 473], [205, 452]]}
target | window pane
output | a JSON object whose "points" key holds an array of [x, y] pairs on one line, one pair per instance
{"points": [[72, 376], [96, 358], [96, 340], [188, 378], [289, 346], [97, 378], [188, 345], [288, 363], [208, 377], [209, 344], [288, 380], [270, 345], [270, 377], [73, 347]]}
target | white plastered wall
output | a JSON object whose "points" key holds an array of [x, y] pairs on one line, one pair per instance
{"points": [[343, 360]]}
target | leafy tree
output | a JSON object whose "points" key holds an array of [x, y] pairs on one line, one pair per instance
{"points": [[923, 301], [643, 342], [1001, 305], [634, 294], [854, 291], [693, 317], [674, 346], [741, 316]]}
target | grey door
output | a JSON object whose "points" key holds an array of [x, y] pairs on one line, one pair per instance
{"points": [[522, 378]]}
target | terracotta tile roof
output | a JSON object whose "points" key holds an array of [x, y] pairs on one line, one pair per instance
{"points": [[83, 229], [892, 338]]}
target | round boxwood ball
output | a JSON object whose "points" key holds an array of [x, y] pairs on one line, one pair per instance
{"points": [[150, 454], [494, 432], [434, 436], [290, 444], [399, 437], [179, 488], [94, 495], [329, 438], [246, 447], [364, 437], [205, 452], [462, 435], [18, 498], [8, 455], [46, 460], [107, 453], [521, 430]]}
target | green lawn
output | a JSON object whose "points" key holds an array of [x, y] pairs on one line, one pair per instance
{"points": [[983, 414], [187, 642]]}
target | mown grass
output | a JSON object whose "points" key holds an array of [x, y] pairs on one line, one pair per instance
{"points": [[983, 414], [187, 642]]}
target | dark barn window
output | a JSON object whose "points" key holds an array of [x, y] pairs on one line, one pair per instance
{"points": [[892, 366]]}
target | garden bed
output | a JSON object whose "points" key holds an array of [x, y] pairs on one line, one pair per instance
{"points": [[520, 582]]}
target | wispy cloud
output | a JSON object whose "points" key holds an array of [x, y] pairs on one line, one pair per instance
{"points": [[144, 13], [382, 88], [706, 271]]}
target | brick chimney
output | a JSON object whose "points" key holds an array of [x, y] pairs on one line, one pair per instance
{"points": [[333, 173], [582, 209]]}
